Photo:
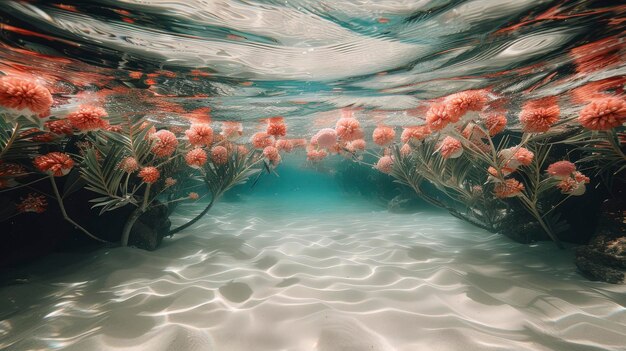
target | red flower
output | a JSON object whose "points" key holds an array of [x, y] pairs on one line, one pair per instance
{"points": [[537, 119], [60, 127], [561, 169], [261, 140], [450, 148], [24, 95], [469, 100], [196, 158], [9, 171], [383, 135], [284, 145], [508, 188], [165, 143], [219, 155], [149, 174], [276, 127], [200, 134], [88, 118], [439, 116], [129, 165], [603, 114], [348, 129], [55, 163], [414, 133], [495, 124], [33, 203]]}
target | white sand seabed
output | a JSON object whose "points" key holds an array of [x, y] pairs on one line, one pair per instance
{"points": [[253, 277]]}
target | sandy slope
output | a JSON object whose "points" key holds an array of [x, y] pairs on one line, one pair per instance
{"points": [[270, 276]]}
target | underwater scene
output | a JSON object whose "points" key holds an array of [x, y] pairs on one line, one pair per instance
{"points": [[312, 175]]}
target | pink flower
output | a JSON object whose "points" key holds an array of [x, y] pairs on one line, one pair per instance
{"points": [[129, 164], [149, 174], [348, 129], [469, 100], [232, 130], [276, 127], [298, 143], [356, 145], [508, 188], [316, 155], [326, 137], [165, 143], [450, 148], [271, 153], [88, 118], [439, 116], [603, 114], [524, 156], [414, 133], [200, 134], [516, 156], [383, 135], [60, 127], [405, 150], [9, 171], [504, 171], [242, 150], [57, 164], [219, 155], [196, 158], [193, 196], [537, 119], [284, 145], [574, 184], [24, 95], [385, 164], [495, 123], [262, 140], [33, 203], [169, 181], [561, 169]]}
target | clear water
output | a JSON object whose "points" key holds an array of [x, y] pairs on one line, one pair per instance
{"points": [[298, 263]]}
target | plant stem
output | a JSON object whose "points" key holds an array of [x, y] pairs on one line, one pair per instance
{"points": [[195, 219], [134, 216], [65, 216]]}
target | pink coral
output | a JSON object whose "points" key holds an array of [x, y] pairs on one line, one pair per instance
{"points": [[24, 95], [603, 114], [196, 158], [88, 118], [165, 143], [219, 155], [383, 135], [200, 134], [348, 129], [450, 147], [385, 164]]}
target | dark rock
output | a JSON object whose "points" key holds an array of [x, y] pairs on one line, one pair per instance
{"points": [[604, 258], [150, 229]]}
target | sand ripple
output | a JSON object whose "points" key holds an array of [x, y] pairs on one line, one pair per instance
{"points": [[253, 277]]}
